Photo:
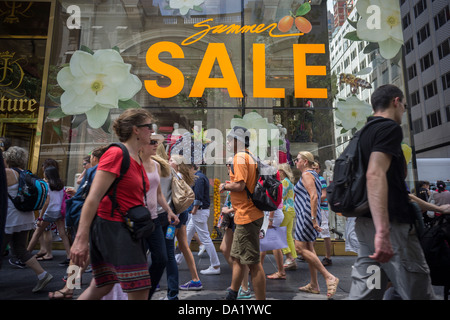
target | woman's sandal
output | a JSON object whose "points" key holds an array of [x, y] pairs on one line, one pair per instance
{"points": [[290, 265], [308, 288], [276, 276], [331, 288], [64, 295], [40, 255]]}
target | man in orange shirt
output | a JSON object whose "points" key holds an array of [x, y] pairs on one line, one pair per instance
{"points": [[248, 218]]}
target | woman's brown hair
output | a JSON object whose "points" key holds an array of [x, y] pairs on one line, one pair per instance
{"points": [[123, 125]]}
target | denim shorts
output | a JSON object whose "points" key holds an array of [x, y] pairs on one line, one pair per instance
{"points": [[184, 216], [52, 216]]}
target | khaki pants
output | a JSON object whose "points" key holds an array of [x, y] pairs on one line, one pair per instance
{"points": [[407, 270]]}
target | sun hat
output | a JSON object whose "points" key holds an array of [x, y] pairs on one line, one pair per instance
{"points": [[158, 137]]}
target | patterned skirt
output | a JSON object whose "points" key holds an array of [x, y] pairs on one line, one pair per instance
{"points": [[116, 257]]}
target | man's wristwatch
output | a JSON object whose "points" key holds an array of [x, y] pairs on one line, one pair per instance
{"points": [[313, 218]]}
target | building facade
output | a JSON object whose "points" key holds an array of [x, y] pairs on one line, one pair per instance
{"points": [[426, 30]]}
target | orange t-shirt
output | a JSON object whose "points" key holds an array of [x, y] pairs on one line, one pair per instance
{"points": [[244, 168]]}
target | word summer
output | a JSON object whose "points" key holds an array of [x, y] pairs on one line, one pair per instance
{"points": [[232, 29], [226, 310]]}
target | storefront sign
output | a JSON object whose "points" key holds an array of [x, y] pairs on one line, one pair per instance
{"points": [[218, 52], [11, 78], [17, 105]]}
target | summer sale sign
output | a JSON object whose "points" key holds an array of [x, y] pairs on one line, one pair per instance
{"points": [[217, 52]]}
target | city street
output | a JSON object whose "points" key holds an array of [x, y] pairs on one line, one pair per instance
{"points": [[16, 284]]}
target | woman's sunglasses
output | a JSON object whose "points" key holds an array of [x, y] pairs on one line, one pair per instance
{"points": [[153, 142], [148, 125]]}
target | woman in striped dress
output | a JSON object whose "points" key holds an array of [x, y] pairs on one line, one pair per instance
{"points": [[307, 208]]}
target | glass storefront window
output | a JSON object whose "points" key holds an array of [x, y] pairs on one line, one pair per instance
{"points": [[299, 72]]}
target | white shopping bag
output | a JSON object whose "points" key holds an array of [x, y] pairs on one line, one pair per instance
{"points": [[275, 239]]}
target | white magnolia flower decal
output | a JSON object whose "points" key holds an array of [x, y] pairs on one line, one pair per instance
{"points": [[353, 113], [95, 83], [381, 23], [184, 5], [261, 131]]}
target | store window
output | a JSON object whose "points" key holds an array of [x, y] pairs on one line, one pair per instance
{"points": [[203, 66]]}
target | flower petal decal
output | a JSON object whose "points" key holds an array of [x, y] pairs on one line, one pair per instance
{"points": [[353, 113], [381, 22], [95, 83], [262, 132]]}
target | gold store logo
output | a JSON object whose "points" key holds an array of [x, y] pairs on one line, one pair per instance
{"points": [[14, 10], [11, 72], [11, 77]]}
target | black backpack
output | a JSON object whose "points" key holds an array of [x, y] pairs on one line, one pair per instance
{"points": [[32, 192], [268, 192], [347, 192]]}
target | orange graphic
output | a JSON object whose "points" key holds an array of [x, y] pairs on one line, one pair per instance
{"points": [[302, 24], [286, 23]]}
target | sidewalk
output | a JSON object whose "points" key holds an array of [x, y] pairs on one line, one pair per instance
{"points": [[16, 284]]}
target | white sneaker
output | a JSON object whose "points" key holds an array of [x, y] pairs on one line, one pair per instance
{"points": [[201, 250], [211, 270], [179, 258]]}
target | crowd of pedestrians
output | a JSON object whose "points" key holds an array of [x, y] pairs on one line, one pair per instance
{"points": [[102, 243]]}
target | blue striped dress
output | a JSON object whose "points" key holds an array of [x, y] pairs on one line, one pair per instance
{"points": [[304, 230]]}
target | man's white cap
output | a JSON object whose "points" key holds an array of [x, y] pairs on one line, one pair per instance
{"points": [[239, 133]]}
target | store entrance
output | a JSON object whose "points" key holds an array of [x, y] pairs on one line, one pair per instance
{"points": [[21, 135]]}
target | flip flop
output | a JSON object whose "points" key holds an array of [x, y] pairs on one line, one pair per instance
{"points": [[308, 288], [276, 276], [40, 255], [44, 259], [331, 288], [65, 295]]}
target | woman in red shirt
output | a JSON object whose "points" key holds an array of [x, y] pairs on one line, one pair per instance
{"points": [[115, 256]]}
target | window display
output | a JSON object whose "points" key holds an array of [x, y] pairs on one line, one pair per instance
{"points": [[298, 74]]}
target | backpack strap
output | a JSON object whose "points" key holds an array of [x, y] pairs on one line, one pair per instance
{"points": [[249, 194], [14, 170], [123, 169]]}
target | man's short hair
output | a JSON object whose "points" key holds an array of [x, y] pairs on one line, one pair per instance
{"points": [[383, 95]]}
